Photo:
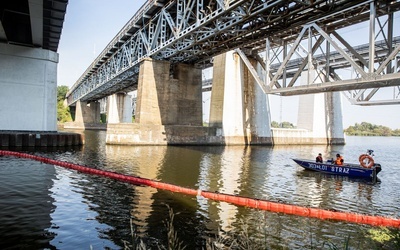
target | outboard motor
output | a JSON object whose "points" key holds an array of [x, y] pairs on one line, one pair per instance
{"points": [[378, 168]]}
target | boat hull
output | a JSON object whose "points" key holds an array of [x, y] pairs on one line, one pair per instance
{"points": [[353, 170]]}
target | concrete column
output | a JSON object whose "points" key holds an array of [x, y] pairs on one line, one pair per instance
{"points": [[334, 118], [227, 95], [189, 99], [119, 108], [28, 83], [238, 104], [258, 109], [162, 100], [87, 113], [321, 113], [147, 102]]}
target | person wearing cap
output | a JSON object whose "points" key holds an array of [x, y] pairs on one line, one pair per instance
{"points": [[319, 158], [339, 160]]}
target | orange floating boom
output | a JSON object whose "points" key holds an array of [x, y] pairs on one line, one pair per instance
{"points": [[237, 200]]}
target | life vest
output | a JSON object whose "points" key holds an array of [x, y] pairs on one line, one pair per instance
{"points": [[339, 160]]}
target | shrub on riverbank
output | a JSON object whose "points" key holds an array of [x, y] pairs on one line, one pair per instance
{"points": [[368, 129]]}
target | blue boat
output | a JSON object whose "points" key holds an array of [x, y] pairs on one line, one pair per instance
{"points": [[367, 168]]}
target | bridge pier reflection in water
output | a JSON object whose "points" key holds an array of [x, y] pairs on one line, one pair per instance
{"points": [[103, 207]]}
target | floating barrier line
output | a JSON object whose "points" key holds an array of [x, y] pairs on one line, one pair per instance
{"points": [[233, 199]]}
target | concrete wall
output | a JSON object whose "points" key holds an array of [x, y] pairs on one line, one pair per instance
{"points": [[149, 134], [152, 134], [282, 136], [28, 89]]}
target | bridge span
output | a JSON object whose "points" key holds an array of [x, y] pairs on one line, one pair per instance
{"points": [[30, 32], [195, 31], [255, 48]]}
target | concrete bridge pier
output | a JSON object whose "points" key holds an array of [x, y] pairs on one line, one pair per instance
{"points": [[169, 96], [119, 108], [321, 115], [28, 83], [87, 116], [168, 107], [238, 105], [28, 99]]}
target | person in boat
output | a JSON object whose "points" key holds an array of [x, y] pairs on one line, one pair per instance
{"points": [[319, 158], [339, 160]]}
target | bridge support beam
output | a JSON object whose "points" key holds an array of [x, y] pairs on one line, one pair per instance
{"points": [[168, 107], [28, 99], [238, 105], [321, 115], [87, 116], [28, 83], [163, 100], [119, 108]]}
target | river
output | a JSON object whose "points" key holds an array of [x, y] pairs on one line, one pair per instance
{"points": [[49, 207]]}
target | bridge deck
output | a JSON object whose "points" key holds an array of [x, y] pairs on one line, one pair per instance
{"points": [[170, 30]]}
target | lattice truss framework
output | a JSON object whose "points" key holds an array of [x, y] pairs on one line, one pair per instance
{"points": [[372, 68], [194, 31]]}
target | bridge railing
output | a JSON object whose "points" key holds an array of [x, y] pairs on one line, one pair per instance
{"points": [[124, 32]]}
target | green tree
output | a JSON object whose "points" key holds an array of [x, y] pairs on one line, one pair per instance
{"points": [[274, 124], [63, 114], [61, 93], [286, 125], [366, 128]]}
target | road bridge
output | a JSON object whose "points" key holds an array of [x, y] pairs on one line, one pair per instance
{"points": [[194, 32], [256, 48], [337, 62], [30, 31]]}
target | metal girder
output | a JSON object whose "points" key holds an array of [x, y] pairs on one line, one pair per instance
{"points": [[194, 31], [351, 84], [371, 62], [252, 70]]}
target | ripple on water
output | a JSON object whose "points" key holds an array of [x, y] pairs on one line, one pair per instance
{"points": [[66, 208]]}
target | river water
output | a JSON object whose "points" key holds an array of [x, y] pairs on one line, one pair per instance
{"points": [[48, 207]]}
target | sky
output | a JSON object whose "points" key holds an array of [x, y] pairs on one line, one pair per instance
{"points": [[89, 25]]}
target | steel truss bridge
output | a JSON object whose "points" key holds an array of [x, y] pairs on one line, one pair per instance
{"points": [[286, 37]]}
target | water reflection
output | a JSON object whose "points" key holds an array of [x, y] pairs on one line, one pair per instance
{"points": [[25, 204], [82, 211], [222, 173]]}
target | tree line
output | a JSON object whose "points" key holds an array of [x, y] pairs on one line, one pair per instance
{"points": [[362, 129], [368, 129]]}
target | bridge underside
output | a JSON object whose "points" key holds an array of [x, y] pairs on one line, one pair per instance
{"points": [[195, 33], [30, 31]]}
